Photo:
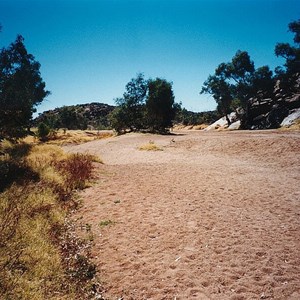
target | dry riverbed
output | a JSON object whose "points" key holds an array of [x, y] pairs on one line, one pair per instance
{"points": [[212, 215]]}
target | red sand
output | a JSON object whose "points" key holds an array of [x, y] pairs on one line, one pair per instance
{"points": [[214, 215]]}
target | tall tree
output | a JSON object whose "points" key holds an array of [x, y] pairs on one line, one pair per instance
{"points": [[291, 53], [236, 82], [21, 89], [220, 89], [132, 103], [160, 105]]}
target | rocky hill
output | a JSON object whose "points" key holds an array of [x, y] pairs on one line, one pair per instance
{"points": [[82, 116], [267, 113]]}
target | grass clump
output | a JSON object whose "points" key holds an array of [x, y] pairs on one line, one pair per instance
{"points": [[151, 146], [40, 255], [27, 256], [106, 223], [65, 137]]}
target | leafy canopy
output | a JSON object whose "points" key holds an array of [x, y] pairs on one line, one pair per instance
{"points": [[160, 105], [21, 89], [146, 105], [235, 82], [132, 104], [290, 53]]}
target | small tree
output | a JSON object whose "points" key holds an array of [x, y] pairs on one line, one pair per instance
{"points": [[43, 131], [21, 89], [118, 120], [160, 109], [221, 91], [131, 106]]}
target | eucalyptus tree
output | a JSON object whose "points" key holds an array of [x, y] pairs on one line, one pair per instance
{"points": [[21, 89], [160, 105]]}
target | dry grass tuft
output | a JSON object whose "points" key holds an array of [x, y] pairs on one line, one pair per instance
{"points": [[200, 127], [151, 146], [62, 137]]}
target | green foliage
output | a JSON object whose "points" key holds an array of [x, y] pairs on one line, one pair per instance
{"points": [[185, 117], [236, 82], [291, 54], [133, 102], [130, 111], [43, 131], [71, 119], [118, 119], [160, 110], [21, 89], [81, 116], [146, 104], [106, 223]]}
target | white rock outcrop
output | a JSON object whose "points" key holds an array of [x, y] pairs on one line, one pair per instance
{"points": [[294, 115]]}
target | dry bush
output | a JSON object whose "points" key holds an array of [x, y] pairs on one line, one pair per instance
{"points": [[77, 170], [65, 137], [76, 254]]}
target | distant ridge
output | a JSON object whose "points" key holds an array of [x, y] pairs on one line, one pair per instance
{"points": [[95, 115], [81, 116]]}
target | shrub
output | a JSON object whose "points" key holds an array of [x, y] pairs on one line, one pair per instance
{"points": [[43, 131], [77, 169]]}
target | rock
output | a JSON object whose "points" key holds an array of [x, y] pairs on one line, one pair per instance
{"points": [[221, 123], [258, 122], [235, 125], [275, 116], [293, 115], [293, 102]]}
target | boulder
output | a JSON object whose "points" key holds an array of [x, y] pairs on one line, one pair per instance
{"points": [[293, 102], [292, 116], [221, 123], [235, 125]]}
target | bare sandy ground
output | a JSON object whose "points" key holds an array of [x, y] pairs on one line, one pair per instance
{"points": [[214, 215]]}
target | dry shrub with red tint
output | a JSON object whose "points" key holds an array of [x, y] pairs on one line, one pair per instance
{"points": [[77, 169]]}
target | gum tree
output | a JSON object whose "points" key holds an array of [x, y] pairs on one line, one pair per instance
{"points": [[21, 89]]}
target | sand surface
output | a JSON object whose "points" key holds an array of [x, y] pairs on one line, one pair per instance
{"points": [[214, 215]]}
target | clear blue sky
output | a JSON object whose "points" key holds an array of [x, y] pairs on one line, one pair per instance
{"points": [[90, 49]]}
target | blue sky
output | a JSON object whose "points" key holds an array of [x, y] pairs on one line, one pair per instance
{"points": [[90, 49]]}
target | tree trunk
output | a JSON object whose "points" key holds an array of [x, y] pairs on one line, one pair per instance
{"points": [[228, 120]]}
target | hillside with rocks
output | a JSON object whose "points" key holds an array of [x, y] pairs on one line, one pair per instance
{"points": [[280, 110], [267, 113], [82, 116]]}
